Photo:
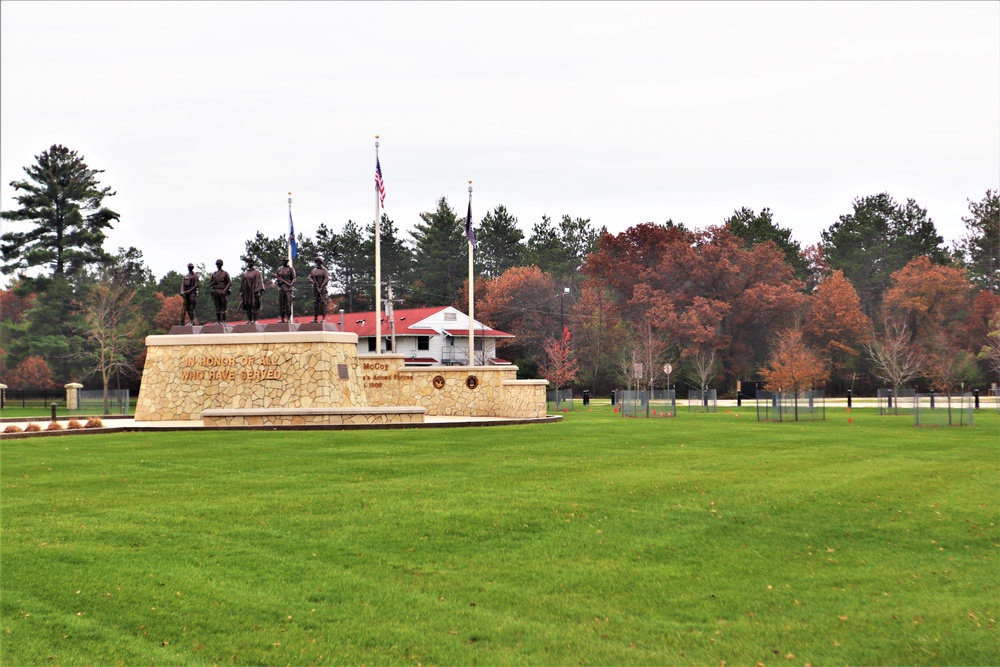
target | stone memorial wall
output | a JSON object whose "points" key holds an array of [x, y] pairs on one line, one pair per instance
{"points": [[316, 377]]}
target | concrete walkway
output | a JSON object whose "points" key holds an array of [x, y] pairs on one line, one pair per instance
{"points": [[116, 425]]}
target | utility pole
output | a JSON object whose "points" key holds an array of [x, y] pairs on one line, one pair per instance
{"points": [[392, 318]]}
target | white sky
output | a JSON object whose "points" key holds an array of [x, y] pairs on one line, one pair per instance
{"points": [[204, 115]]}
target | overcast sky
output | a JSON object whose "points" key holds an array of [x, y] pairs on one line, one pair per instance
{"points": [[205, 115]]}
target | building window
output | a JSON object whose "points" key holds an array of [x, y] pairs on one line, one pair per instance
{"points": [[388, 344], [371, 344], [423, 342]]}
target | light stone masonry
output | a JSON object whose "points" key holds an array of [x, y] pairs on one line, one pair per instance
{"points": [[316, 378]]}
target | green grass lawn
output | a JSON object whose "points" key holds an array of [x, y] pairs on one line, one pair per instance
{"points": [[597, 540]]}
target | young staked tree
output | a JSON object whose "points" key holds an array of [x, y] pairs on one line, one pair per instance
{"points": [[794, 366], [895, 359], [62, 201], [703, 367], [559, 367]]}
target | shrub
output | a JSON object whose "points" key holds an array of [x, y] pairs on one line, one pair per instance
{"points": [[32, 428], [12, 428], [94, 422], [74, 424], [54, 426]]}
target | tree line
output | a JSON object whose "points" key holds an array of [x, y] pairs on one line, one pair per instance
{"points": [[738, 300]]}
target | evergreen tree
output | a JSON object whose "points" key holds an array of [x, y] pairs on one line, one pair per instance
{"points": [[396, 258], [980, 247], [561, 251], [441, 265], [62, 199], [754, 229], [499, 243], [877, 239], [351, 269]]}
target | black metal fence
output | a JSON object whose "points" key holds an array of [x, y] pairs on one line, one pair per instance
{"points": [[90, 402], [32, 398]]}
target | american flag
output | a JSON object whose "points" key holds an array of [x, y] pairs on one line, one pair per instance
{"points": [[379, 185]]}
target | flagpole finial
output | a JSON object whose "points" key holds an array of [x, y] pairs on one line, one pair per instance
{"points": [[376, 141], [289, 198], [470, 188]]}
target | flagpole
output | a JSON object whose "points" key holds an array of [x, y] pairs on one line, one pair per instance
{"points": [[291, 238], [472, 314], [378, 260]]}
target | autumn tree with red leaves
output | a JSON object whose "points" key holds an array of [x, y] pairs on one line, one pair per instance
{"points": [[934, 302], [794, 366], [710, 293], [559, 367], [522, 301], [835, 324], [32, 373], [171, 308]]}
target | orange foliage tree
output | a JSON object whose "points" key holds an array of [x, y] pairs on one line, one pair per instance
{"points": [[170, 312], [32, 373], [835, 324], [934, 302], [794, 366], [559, 367], [928, 297], [710, 293], [522, 301]]}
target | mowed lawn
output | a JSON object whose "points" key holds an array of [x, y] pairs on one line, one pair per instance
{"points": [[703, 540]]}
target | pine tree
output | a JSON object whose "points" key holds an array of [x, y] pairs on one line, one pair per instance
{"points": [[62, 199]]}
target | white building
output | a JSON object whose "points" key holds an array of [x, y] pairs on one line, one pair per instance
{"points": [[431, 336]]}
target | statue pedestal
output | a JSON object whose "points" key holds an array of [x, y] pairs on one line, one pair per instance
{"points": [[187, 374], [303, 377]]}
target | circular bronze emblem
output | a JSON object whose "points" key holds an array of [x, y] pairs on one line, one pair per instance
{"points": [[472, 382], [438, 381]]}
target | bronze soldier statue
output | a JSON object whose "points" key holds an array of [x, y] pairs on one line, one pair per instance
{"points": [[320, 278], [189, 292], [221, 287], [251, 287], [286, 286]]}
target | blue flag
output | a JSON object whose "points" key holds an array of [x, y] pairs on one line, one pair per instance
{"points": [[293, 247]]}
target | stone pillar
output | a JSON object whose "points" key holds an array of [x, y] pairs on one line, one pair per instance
{"points": [[73, 395]]}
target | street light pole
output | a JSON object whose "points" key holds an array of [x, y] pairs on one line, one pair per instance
{"points": [[562, 326]]}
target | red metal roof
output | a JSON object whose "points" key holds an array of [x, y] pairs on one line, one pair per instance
{"points": [[363, 324]]}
